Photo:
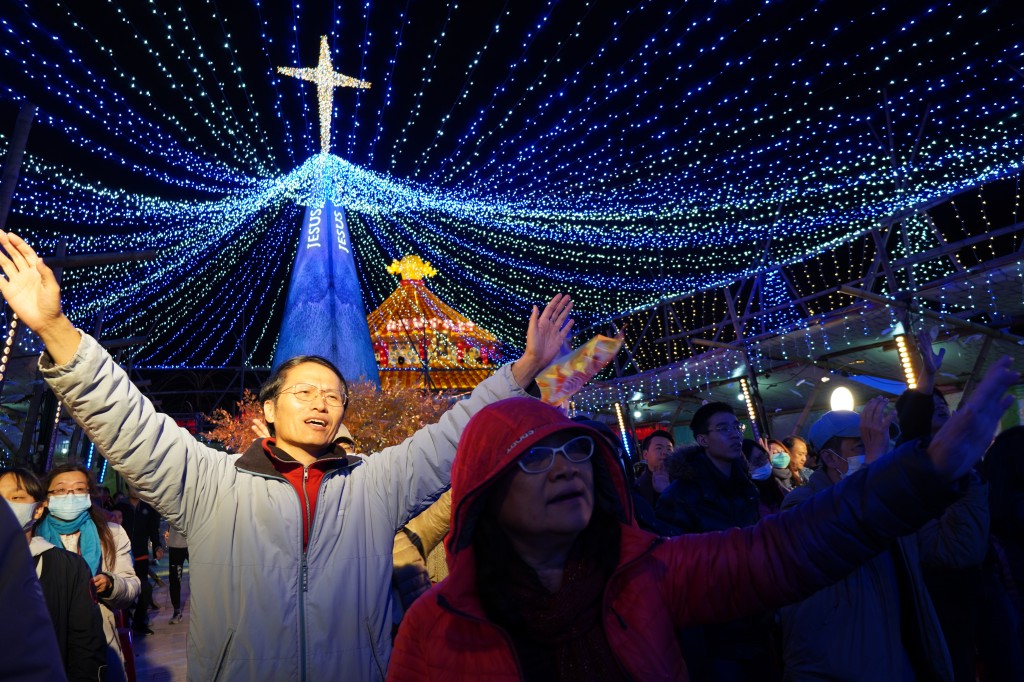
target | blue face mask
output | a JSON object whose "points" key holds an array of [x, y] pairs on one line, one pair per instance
{"points": [[69, 507], [780, 460], [761, 472], [23, 511]]}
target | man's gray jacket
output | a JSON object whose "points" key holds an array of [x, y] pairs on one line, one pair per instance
{"points": [[262, 609]]}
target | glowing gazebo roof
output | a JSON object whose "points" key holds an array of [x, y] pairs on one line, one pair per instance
{"points": [[422, 341]]}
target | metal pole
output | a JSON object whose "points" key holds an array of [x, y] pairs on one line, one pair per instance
{"points": [[12, 160]]}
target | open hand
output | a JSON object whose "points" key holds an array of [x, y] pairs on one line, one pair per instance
{"points": [[32, 292], [962, 440], [930, 362], [545, 335], [30, 287], [874, 428]]}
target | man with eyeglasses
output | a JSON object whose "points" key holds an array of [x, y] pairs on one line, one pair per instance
{"points": [[551, 578], [713, 491], [290, 543]]}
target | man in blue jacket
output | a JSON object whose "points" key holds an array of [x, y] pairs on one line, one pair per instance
{"points": [[879, 620]]}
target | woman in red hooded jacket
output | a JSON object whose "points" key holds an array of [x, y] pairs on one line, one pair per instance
{"points": [[550, 579]]}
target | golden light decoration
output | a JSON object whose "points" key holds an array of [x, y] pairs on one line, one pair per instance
{"points": [[906, 362], [11, 330], [326, 79], [748, 399], [622, 429], [411, 267]]}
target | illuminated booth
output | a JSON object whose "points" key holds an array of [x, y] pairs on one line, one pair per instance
{"points": [[421, 342]]}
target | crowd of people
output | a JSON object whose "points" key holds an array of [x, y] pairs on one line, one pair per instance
{"points": [[941, 603], [91, 554], [881, 545]]}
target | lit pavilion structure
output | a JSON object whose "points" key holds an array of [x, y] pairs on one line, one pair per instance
{"points": [[422, 342]]}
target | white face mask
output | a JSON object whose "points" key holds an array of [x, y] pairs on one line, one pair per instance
{"points": [[854, 464], [24, 512], [761, 472], [69, 507]]}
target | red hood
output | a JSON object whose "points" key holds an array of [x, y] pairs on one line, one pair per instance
{"points": [[492, 442]]}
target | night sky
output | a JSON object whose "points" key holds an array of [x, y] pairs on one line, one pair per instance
{"points": [[624, 152]]}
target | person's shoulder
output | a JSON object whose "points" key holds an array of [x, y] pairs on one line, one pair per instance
{"points": [[117, 530], [644, 483], [801, 493], [684, 463], [680, 491], [64, 561], [426, 613]]}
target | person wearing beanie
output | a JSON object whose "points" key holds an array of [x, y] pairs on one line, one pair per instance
{"points": [[551, 579]]}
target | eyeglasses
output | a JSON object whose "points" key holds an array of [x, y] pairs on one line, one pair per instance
{"points": [[68, 491], [307, 393], [539, 459], [729, 428]]}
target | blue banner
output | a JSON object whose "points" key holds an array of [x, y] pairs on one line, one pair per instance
{"points": [[324, 314]]}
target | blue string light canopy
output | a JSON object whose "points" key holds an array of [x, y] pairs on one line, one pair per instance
{"points": [[623, 152]]}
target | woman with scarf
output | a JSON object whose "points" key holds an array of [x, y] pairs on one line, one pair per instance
{"points": [[73, 522], [65, 580], [786, 475]]}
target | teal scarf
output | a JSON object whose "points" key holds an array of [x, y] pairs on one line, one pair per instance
{"points": [[51, 528]]}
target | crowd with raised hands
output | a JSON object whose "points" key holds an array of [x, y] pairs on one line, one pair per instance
{"points": [[942, 602], [853, 551]]}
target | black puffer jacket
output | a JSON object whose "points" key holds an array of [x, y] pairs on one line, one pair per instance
{"points": [[702, 499]]}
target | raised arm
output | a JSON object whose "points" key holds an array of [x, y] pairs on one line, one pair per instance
{"points": [[962, 440], [874, 428], [786, 557], [930, 362], [170, 469], [32, 293]]}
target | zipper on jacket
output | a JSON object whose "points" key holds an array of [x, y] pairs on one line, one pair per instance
{"points": [[308, 518], [304, 532], [304, 564]]}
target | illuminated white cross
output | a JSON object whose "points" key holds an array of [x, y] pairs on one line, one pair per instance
{"points": [[326, 79]]}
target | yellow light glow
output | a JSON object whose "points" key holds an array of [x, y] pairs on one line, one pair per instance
{"points": [[411, 267], [326, 79]]}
